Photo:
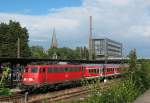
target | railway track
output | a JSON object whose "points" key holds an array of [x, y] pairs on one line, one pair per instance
{"points": [[66, 94], [54, 96], [17, 98]]}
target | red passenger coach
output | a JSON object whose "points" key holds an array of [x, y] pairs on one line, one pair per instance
{"points": [[93, 71], [114, 69], [38, 75], [110, 69]]}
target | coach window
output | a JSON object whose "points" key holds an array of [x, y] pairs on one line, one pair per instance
{"points": [[97, 70], [52, 69], [75, 69], [49, 70], [78, 69], [55, 69], [60, 70], [92, 70], [71, 69], [34, 70], [89, 71], [66, 69], [43, 69]]}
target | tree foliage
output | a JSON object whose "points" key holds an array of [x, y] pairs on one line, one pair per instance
{"points": [[133, 60], [9, 34], [67, 53], [38, 52]]}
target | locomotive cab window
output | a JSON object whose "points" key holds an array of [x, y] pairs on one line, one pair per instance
{"points": [[34, 70], [26, 70]]}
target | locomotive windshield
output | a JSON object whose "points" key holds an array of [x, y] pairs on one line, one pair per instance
{"points": [[34, 70]]}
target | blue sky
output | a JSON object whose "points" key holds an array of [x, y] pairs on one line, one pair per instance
{"points": [[35, 7], [126, 21]]}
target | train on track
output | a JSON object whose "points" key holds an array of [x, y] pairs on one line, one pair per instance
{"points": [[36, 76]]}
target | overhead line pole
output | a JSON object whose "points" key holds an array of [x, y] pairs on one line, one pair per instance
{"points": [[18, 48]]}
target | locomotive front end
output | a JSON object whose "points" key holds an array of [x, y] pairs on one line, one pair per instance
{"points": [[30, 76]]}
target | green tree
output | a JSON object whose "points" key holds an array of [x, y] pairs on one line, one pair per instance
{"points": [[38, 51], [133, 60], [62, 53], [9, 34], [68, 53], [78, 52], [85, 53]]}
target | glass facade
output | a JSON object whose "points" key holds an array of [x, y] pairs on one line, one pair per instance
{"points": [[106, 47]]}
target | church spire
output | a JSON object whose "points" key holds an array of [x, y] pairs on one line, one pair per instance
{"points": [[54, 40]]}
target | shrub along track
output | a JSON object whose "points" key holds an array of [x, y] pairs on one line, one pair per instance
{"points": [[66, 94], [57, 95]]}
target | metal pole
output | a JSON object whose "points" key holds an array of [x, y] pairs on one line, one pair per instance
{"points": [[105, 68], [26, 97], [11, 78], [0, 66], [18, 48]]}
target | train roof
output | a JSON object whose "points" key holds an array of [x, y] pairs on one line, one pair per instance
{"points": [[54, 65]]}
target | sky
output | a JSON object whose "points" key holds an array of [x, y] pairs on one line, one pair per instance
{"points": [[125, 21]]}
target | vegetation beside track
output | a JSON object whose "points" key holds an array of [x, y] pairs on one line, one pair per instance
{"points": [[128, 89]]}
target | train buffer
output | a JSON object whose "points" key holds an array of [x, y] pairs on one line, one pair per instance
{"points": [[145, 98]]}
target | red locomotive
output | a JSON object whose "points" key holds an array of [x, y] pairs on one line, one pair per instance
{"points": [[39, 75]]}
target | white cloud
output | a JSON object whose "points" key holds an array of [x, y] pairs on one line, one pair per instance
{"points": [[126, 21]]}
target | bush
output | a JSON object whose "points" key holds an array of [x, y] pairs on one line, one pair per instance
{"points": [[137, 82], [5, 92]]}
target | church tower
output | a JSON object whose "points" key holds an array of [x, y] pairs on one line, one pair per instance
{"points": [[54, 40]]}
